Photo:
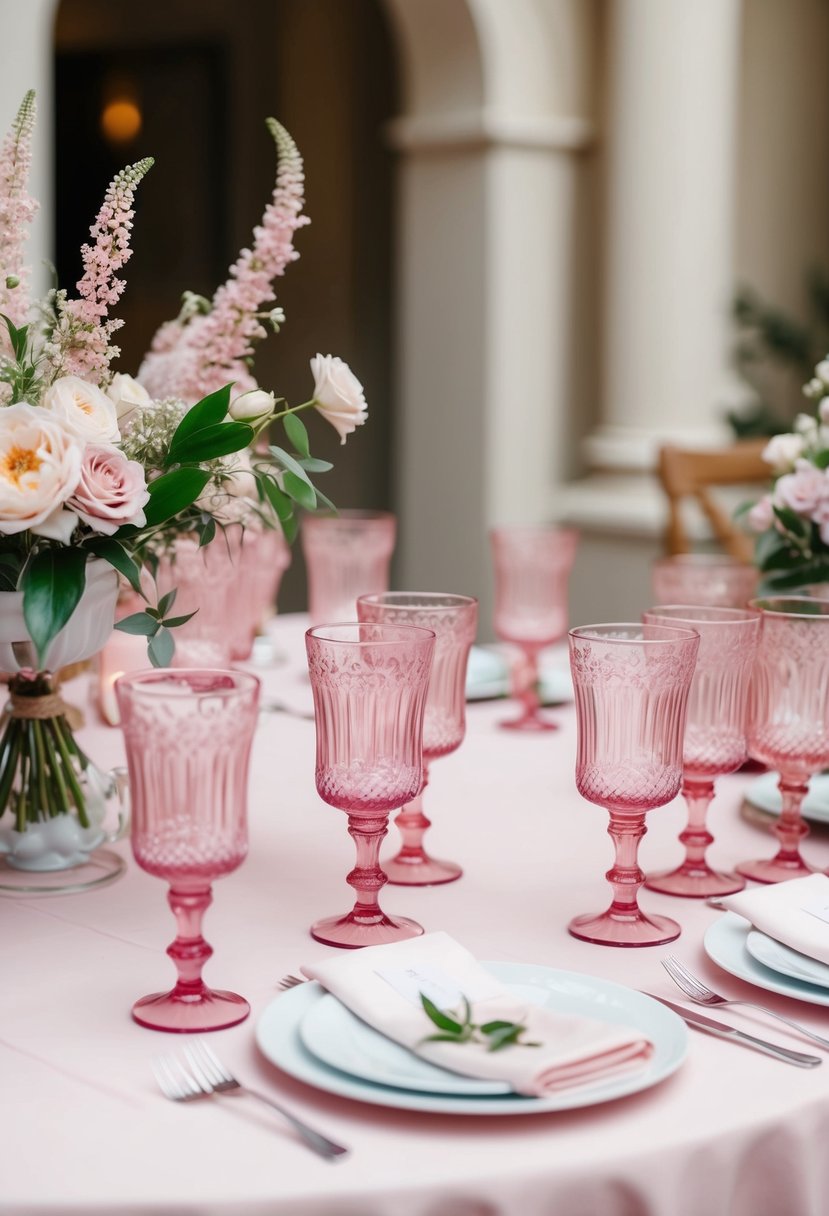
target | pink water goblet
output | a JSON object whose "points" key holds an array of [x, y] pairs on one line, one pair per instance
{"points": [[264, 556], [205, 581], [188, 737], [369, 683], [346, 555], [454, 621], [532, 571], [631, 684], [712, 580], [789, 718], [715, 734]]}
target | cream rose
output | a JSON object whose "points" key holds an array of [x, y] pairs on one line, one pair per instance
{"points": [[40, 466], [128, 396], [112, 490], [85, 410], [253, 406], [338, 394], [782, 451]]}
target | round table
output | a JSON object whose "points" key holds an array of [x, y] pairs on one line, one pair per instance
{"points": [[85, 1129]]}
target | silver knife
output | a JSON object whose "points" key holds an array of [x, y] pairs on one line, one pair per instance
{"points": [[721, 1030]]}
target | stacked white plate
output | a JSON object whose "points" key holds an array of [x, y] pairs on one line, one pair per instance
{"points": [[487, 676], [734, 945]]}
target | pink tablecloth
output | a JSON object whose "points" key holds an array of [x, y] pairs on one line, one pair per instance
{"points": [[84, 1130]]}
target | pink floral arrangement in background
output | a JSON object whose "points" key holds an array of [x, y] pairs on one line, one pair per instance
{"points": [[792, 519]]}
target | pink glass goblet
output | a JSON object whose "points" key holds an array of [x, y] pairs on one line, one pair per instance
{"points": [[711, 580], [715, 733], [631, 684], [369, 683], [264, 556], [454, 621], [532, 571], [204, 580], [188, 737], [789, 718], [346, 555]]}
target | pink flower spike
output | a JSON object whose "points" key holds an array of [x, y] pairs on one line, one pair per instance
{"points": [[17, 209]]}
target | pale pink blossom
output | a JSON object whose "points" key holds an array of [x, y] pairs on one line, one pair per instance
{"points": [[782, 451], [338, 394], [198, 354], [761, 516], [804, 490], [111, 492], [40, 466], [17, 209]]}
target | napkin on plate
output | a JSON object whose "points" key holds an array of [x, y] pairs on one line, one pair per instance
{"points": [[381, 984], [795, 912]]}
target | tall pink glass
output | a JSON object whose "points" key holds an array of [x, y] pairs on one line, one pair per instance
{"points": [[711, 580], [715, 734], [369, 683], [454, 621], [532, 572], [346, 555], [631, 684], [789, 718], [264, 556], [188, 736], [205, 580]]}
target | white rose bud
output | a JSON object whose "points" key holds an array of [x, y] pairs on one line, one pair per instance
{"points": [[128, 396], [253, 406], [338, 394], [822, 371], [86, 411], [782, 451]]}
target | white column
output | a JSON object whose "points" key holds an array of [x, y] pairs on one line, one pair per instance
{"points": [[671, 158], [26, 62]]}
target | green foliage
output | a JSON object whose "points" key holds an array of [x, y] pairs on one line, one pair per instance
{"points": [[459, 1028], [53, 583]]}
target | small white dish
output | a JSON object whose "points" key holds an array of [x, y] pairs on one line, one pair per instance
{"points": [[763, 793], [725, 943], [278, 1035], [782, 958]]}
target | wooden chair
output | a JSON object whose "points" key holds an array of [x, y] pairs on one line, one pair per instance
{"points": [[686, 474]]}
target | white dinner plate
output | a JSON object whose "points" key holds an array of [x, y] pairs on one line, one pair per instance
{"points": [[487, 677], [725, 943], [787, 961], [764, 794], [279, 1039]]}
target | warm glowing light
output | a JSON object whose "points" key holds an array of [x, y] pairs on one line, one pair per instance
{"points": [[121, 120]]}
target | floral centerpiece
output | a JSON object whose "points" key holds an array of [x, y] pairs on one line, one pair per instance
{"points": [[97, 468], [792, 519]]}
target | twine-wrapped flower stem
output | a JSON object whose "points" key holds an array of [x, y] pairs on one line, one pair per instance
{"points": [[41, 765]]}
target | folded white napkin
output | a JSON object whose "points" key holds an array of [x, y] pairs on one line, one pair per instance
{"points": [[795, 913], [381, 984]]}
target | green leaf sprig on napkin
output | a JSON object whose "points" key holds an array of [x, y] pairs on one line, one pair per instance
{"points": [[496, 1035]]}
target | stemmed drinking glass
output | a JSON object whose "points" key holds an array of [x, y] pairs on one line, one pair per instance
{"points": [[346, 555], [631, 684], [532, 570], [369, 683], [712, 580], [454, 621], [715, 733], [188, 737], [789, 718]]}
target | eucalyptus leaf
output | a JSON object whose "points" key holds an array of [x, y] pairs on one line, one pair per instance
{"points": [[161, 649], [173, 622], [298, 435], [141, 624], [288, 462], [166, 602], [278, 499], [302, 492], [312, 465], [441, 1019]]}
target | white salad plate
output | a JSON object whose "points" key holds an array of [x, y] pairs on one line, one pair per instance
{"points": [[291, 1022], [726, 944], [785, 960]]}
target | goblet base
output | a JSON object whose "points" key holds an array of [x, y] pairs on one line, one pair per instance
{"points": [[420, 871], [695, 882], [624, 929], [529, 722], [211, 1009], [351, 934], [775, 870]]}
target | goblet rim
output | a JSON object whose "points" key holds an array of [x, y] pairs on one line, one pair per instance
{"points": [[701, 614], [414, 634], [403, 599], [761, 602], [243, 681], [672, 634]]}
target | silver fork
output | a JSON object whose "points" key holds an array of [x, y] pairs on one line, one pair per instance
{"points": [[291, 981], [702, 995], [206, 1075]]}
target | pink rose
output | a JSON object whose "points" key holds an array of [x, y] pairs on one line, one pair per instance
{"points": [[803, 490], [112, 490], [761, 515], [338, 394]]}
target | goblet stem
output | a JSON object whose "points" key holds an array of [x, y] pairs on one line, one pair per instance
{"points": [[789, 830], [694, 878], [189, 951], [412, 866], [366, 924], [624, 923], [525, 676]]}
